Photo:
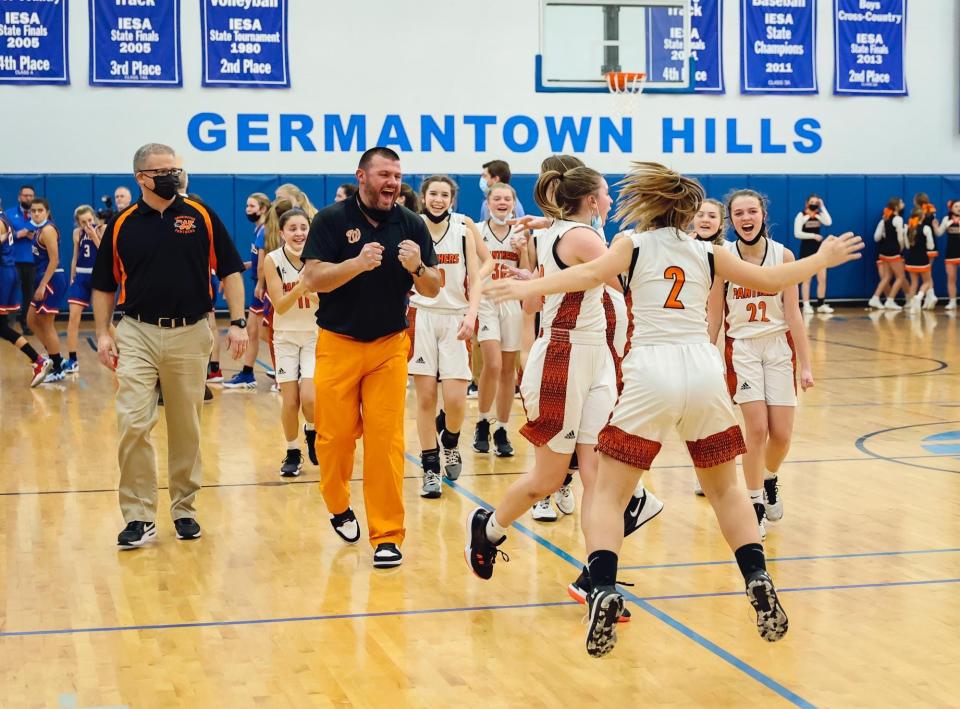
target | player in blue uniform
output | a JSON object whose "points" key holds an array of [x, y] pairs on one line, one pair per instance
{"points": [[50, 286], [86, 241]]}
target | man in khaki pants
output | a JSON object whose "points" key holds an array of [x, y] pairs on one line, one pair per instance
{"points": [[158, 253]]}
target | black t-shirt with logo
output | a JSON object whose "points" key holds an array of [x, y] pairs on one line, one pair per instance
{"points": [[373, 304]]}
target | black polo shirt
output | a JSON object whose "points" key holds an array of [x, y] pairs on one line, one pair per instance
{"points": [[373, 304], [161, 263]]}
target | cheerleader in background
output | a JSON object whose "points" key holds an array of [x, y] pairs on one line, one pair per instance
{"points": [[928, 219], [919, 245], [807, 228], [951, 227], [891, 237]]}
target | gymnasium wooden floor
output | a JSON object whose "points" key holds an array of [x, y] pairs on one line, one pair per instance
{"points": [[270, 609]]}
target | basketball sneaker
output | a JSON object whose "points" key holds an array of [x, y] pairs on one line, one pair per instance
{"points": [[481, 437], [874, 302], [292, 464], [207, 394], [346, 526], [472, 391], [70, 366], [187, 528], [772, 503], [565, 500], [605, 606], [772, 621], [431, 486], [310, 437], [54, 376], [136, 534], [580, 589], [452, 463], [642, 508], [543, 511], [241, 380], [386, 556], [480, 552], [761, 515], [502, 443], [41, 370], [215, 376]]}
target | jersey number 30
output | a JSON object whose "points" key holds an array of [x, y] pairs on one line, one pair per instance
{"points": [[676, 274]]}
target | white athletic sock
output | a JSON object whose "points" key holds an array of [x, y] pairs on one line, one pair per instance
{"points": [[293, 445], [309, 426], [498, 425], [767, 475], [484, 415], [495, 533], [639, 489], [756, 495]]}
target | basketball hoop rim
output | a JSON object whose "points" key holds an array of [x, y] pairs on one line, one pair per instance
{"points": [[625, 82]]}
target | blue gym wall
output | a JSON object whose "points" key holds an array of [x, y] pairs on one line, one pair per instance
{"points": [[855, 203]]}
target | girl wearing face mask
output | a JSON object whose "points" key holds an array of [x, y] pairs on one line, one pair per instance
{"points": [[50, 286], [294, 337], [499, 326], [890, 236], [440, 330], [86, 241], [708, 222], [951, 227], [765, 337], [807, 228]]}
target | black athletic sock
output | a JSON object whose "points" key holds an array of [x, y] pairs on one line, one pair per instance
{"points": [[57, 362], [31, 353], [574, 462], [750, 558], [430, 459], [247, 370], [602, 565], [449, 439], [73, 356], [567, 480], [214, 366], [819, 302]]}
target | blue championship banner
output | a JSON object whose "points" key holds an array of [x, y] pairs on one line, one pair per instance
{"points": [[665, 43], [778, 46], [870, 36], [135, 45], [245, 43], [34, 42]]}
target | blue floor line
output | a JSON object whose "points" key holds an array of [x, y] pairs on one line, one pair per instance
{"points": [[731, 659], [852, 555]]}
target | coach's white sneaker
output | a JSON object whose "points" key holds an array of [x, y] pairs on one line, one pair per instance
{"points": [[543, 511], [891, 304], [874, 302]]}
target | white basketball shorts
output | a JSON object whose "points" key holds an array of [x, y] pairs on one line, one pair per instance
{"points": [[435, 349], [762, 369]]}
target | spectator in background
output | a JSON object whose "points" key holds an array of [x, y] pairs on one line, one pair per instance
{"points": [[345, 191], [298, 197], [493, 172], [19, 217], [121, 198], [408, 198]]}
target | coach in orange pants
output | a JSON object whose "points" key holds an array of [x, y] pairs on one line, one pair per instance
{"points": [[363, 255]]}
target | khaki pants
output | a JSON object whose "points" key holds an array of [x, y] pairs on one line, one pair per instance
{"points": [[178, 358], [361, 390]]}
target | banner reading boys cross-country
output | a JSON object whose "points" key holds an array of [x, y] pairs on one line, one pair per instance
{"points": [[778, 46], [34, 42], [245, 43], [665, 41], [135, 45], [870, 36]]}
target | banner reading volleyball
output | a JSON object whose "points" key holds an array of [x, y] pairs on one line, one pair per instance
{"points": [[870, 36], [135, 45], [664, 44], [778, 46], [34, 42], [245, 43]]}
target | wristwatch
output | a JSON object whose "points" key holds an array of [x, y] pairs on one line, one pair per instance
{"points": [[419, 270], [239, 322]]}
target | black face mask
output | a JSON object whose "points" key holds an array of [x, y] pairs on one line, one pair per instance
{"points": [[760, 234], [25, 206], [253, 217], [709, 238], [165, 186], [813, 207], [377, 215], [436, 218]]}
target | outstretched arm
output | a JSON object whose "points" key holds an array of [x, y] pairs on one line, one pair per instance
{"points": [[791, 312]]}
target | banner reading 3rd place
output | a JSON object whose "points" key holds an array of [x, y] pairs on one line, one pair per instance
{"points": [[245, 43], [135, 44], [869, 37], [778, 46], [34, 42]]}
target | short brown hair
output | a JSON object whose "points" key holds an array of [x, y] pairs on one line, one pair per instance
{"points": [[378, 151], [653, 196], [499, 169]]}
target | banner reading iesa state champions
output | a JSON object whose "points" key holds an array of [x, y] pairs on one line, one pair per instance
{"points": [[869, 38], [664, 44], [245, 43], [778, 46], [134, 44], [34, 42]]}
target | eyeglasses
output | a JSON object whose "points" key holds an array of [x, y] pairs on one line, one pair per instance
{"points": [[167, 171]]}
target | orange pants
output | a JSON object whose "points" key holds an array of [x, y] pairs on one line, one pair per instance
{"points": [[361, 390]]}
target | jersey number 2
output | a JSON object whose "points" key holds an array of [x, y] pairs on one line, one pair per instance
{"points": [[679, 278]]}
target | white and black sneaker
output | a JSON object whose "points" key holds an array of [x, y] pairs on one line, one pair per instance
{"points": [[481, 437], [772, 621], [761, 515], [480, 553], [605, 607], [580, 589], [136, 534], [642, 508], [187, 528], [346, 526], [502, 443], [772, 502], [543, 511], [292, 464], [387, 555], [565, 500], [431, 488], [452, 463]]}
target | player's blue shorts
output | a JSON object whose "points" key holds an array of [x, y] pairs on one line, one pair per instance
{"points": [[79, 291], [9, 290], [54, 296]]}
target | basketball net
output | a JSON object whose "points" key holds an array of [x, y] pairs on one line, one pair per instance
{"points": [[626, 87]]}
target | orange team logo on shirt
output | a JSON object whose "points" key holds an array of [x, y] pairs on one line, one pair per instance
{"points": [[185, 225], [353, 236]]}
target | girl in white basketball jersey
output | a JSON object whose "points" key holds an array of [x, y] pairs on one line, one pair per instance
{"points": [[294, 337], [765, 338], [673, 380], [951, 227], [440, 331], [499, 326], [708, 222]]}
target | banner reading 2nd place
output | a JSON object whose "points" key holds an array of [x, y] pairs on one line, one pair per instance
{"points": [[34, 42], [778, 46], [665, 44], [245, 43], [134, 44], [870, 36]]}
